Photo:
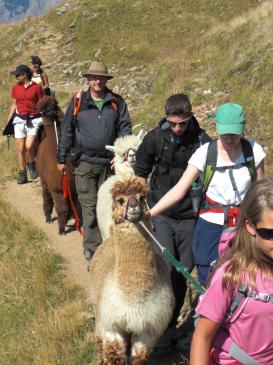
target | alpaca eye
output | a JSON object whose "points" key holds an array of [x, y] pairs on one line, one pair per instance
{"points": [[142, 199], [120, 201]]}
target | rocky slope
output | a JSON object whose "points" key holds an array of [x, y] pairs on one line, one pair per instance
{"points": [[214, 51]]}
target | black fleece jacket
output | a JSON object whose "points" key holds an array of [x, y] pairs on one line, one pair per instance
{"points": [[167, 156], [94, 128]]}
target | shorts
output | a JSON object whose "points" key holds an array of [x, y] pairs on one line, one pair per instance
{"points": [[23, 129]]}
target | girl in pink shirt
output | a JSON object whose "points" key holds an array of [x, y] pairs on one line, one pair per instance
{"points": [[249, 261]]}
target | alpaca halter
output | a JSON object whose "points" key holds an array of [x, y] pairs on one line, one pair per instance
{"points": [[126, 155], [128, 205]]}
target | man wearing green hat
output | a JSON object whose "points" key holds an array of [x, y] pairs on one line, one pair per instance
{"points": [[230, 158], [93, 119]]}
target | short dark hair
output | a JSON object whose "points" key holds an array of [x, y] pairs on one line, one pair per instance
{"points": [[35, 60], [178, 104]]}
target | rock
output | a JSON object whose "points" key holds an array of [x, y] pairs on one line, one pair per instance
{"points": [[70, 39], [19, 46], [73, 23], [63, 9], [98, 52]]}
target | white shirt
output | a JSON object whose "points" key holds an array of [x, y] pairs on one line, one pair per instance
{"points": [[220, 188]]}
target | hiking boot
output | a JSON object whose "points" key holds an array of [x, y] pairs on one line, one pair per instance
{"points": [[32, 170], [88, 254], [22, 177]]}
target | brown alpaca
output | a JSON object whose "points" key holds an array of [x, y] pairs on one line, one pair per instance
{"points": [[46, 162], [130, 287]]}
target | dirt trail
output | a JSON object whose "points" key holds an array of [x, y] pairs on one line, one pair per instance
{"points": [[27, 200]]}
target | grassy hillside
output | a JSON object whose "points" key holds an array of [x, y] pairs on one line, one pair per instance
{"points": [[213, 50], [42, 319]]}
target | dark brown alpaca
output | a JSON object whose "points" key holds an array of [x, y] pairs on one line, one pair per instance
{"points": [[46, 162]]}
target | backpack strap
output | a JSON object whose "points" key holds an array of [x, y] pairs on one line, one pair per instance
{"points": [[249, 158], [209, 170], [76, 103], [159, 144], [240, 355], [240, 295], [211, 162], [77, 97], [114, 103], [243, 292]]}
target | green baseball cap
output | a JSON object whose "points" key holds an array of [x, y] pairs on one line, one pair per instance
{"points": [[230, 119]]}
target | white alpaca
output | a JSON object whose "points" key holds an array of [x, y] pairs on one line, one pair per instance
{"points": [[130, 286], [125, 156]]}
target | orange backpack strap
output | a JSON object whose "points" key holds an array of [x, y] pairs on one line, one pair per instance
{"points": [[76, 103], [114, 102]]}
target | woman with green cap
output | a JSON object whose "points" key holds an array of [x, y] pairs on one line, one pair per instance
{"points": [[225, 165]]}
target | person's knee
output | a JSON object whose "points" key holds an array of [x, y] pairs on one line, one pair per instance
{"points": [[203, 272], [21, 148], [29, 146]]}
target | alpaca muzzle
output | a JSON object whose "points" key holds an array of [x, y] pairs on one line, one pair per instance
{"points": [[130, 157], [134, 210]]}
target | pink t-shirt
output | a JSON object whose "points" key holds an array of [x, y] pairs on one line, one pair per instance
{"points": [[251, 325]]}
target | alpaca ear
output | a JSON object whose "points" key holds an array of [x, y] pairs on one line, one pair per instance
{"points": [[141, 134], [136, 126], [110, 148]]}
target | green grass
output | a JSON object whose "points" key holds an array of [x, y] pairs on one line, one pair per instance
{"points": [[42, 319]]}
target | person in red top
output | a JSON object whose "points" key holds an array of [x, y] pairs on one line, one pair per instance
{"points": [[26, 119]]}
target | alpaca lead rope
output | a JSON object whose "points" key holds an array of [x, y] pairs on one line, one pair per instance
{"points": [[178, 266]]}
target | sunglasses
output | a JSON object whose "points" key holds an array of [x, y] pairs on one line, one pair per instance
{"points": [[265, 233], [182, 123]]}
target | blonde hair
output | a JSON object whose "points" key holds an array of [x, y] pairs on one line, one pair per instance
{"points": [[245, 256]]}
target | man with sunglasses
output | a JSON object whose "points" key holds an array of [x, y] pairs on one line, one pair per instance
{"points": [[165, 152]]}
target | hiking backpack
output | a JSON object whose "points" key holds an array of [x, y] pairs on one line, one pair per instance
{"points": [[231, 212], [211, 162], [76, 151], [77, 97], [242, 293]]}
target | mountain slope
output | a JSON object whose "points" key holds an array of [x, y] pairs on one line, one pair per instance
{"points": [[213, 50]]}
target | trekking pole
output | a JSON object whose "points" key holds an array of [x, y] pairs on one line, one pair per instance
{"points": [[178, 266], [56, 132]]}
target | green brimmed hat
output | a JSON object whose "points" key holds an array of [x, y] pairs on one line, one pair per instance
{"points": [[230, 119]]}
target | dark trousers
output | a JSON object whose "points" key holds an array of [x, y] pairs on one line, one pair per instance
{"points": [[176, 235], [205, 247], [88, 178]]}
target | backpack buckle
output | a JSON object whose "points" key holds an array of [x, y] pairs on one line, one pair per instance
{"points": [[264, 297], [244, 289]]}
